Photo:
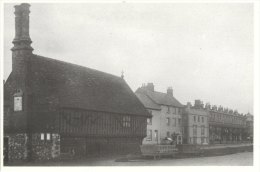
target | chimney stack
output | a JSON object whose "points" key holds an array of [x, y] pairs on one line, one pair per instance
{"points": [[150, 87], [170, 91], [22, 41]]}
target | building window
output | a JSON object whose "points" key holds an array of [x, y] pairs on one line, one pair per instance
{"points": [[42, 136], [202, 140], [179, 110], [174, 110], [149, 121], [179, 121], [194, 118], [168, 109], [194, 130], [149, 135], [168, 121], [202, 119], [198, 118], [174, 122], [126, 121], [156, 135], [48, 137], [203, 130]]}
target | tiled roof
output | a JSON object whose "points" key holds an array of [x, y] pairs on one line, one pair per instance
{"points": [[160, 98], [74, 86], [147, 102]]}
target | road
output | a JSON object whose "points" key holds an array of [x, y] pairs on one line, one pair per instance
{"points": [[238, 159]]}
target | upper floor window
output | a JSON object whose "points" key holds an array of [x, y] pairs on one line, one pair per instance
{"points": [[168, 109], [202, 119], [198, 118], [168, 134], [149, 121], [174, 122], [179, 121], [126, 121], [168, 121], [194, 130], [194, 118], [18, 103], [18, 100], [174, 110], [202, 130]]}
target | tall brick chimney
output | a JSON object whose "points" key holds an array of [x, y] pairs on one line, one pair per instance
{"points": [[22, 41], [170, 91]]}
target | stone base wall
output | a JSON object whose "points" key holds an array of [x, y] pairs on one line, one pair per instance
{"points": [[45, 149], [17, 146]]}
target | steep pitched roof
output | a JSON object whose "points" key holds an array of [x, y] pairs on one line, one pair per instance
{"points": [[147, 102], [160, 98], [75, 86]]}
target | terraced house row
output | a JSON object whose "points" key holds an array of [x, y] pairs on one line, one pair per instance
{"points": [[187, 124]]}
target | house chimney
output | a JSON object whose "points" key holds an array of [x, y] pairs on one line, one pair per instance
{"points": [[150, 87], [188, 105], [170, 91], [22, 41]]}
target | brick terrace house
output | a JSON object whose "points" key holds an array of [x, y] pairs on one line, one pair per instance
{"points": [[53, 108], [226, 125], [166, 110]]}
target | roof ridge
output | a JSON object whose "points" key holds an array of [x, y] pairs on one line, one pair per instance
{"points": [[76, 65]]}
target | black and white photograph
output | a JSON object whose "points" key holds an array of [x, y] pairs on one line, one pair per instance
{"points": [[129, 84]]}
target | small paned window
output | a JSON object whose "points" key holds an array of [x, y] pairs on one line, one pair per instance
{"points": [[126, 121], [42, 136]]}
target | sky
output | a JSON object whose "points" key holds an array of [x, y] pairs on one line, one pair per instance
{"points": [[202, 50]]}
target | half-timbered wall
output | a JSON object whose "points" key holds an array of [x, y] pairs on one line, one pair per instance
{"points": [[91, 123]]}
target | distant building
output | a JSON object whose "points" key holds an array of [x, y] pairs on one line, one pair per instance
{"points": [[250, 126], [166, 110], [55, 109], [195, 124], [226, 125]]}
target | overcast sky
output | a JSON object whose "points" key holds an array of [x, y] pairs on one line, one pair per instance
{"points": [[204, 51]]}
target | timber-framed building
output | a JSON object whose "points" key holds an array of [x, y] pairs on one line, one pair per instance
{"points": [[55, 109]]}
